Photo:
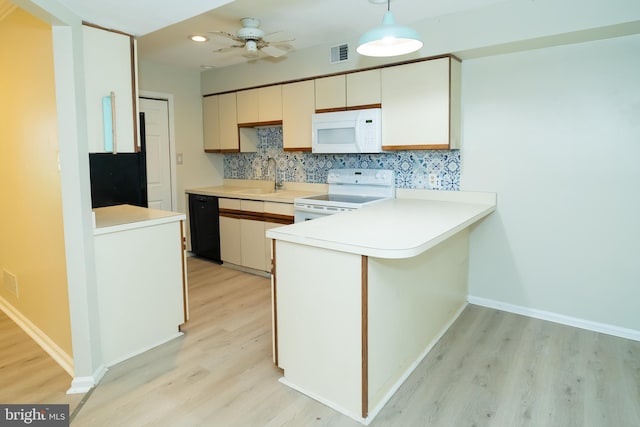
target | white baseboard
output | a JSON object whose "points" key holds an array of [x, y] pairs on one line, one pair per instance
{"points": [[42, 339], [84, 384], [557, 318], [247, 269], [392, 390], [377, 408], [144, 349], [81, 385], [325, 402]]}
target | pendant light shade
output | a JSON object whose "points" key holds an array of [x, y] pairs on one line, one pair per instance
{"points": [[389, 39]]}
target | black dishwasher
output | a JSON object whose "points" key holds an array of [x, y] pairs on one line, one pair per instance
{"points": [[204, 226]]}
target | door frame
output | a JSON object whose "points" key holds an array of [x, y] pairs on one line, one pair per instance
{"points": [[172, 138]]}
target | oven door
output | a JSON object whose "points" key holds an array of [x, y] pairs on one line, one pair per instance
{"points": [[303, 215]]}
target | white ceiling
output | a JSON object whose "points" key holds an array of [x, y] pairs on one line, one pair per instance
{"points": [[163, 26]]}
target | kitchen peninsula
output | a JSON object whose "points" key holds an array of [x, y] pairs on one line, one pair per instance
{"points": [[140, 270], [361, 297]]}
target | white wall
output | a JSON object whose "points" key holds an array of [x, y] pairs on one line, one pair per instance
{"points": [[505, 26], [556, 133], [199, 169]]}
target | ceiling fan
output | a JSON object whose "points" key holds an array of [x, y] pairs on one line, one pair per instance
{"points": [[254, 41]]}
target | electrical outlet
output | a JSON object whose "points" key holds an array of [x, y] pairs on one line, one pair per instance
{"points": [[10, 283], [179, 158], [434, 181]]}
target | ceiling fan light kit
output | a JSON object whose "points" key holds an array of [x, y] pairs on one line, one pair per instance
{"points": [[389, 39]]}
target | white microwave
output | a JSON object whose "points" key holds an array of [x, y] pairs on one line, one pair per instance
{"points": [[352, 131]]}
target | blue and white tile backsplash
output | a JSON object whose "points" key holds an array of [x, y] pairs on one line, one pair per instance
{"points": [[412, 168]]}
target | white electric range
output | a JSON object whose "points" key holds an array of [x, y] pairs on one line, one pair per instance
{"points": [[349, 189]]}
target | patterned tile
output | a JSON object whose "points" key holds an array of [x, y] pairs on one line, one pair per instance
{"points": [[413, 168]]}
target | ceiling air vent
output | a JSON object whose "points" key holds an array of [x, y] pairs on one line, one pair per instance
{"points": [[339, 53]]}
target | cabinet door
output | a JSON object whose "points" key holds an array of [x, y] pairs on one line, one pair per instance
{"points": [[252, 242], [416, 105], [229, 140], [230, 240], [270, 103], [247, 106], [259, 105], [363, 88], [211, 123], [331, 93], [298, 104], [230, 233], [108, 68], [252, 236]]}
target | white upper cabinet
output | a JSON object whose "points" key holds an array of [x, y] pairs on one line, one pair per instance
{"points": [[297, 108], [229, 139], [261, 105], [270, 104], [247, 105], [353, 90], [220, 124], [363, 88], [211, 124], [109, 68], [331, 92], [421, 105]]}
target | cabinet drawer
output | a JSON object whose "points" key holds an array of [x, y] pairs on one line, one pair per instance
{"points": [[229, 203], [252, 205], [279, 208]]}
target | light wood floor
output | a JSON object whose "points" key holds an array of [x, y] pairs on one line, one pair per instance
{"points": [[490, 369], [27, 374]]}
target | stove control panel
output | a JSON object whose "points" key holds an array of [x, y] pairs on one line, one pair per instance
{"points": [[383, 177]]}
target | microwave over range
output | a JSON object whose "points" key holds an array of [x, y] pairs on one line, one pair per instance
{"points": [[351, 131]]}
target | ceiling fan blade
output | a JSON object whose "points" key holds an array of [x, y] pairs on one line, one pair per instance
{"points": [[278, 37], [273, 51], [226, 35], [228, 48]]}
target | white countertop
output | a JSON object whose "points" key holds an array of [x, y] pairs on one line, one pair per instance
{"points": [[396, 228], [117, 218]]}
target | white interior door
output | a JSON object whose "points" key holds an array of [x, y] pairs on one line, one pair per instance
{"points": [[158, 152]]}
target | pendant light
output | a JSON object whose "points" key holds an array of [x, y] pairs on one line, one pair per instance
{"points": [[389, 39]]}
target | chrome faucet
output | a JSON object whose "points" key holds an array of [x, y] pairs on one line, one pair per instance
{"points": [[276, 184]]}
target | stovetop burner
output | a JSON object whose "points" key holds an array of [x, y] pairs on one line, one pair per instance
{"points": [[349, 189]]}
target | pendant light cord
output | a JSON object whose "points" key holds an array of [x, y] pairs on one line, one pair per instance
{"points": [[388, 5]]}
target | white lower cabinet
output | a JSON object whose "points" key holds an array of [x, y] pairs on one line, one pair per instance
{"points": [[243, 227], [252, 237], [141, 288], [230, 240]]}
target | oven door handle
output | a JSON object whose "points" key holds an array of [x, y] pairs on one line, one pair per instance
{"points": [[308, 208]]}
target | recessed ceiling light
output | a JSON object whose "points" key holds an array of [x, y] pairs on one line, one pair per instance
{"points": [[198, 38]]}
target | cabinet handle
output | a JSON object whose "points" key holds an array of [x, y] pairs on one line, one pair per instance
{"points": [[113, 121]]}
